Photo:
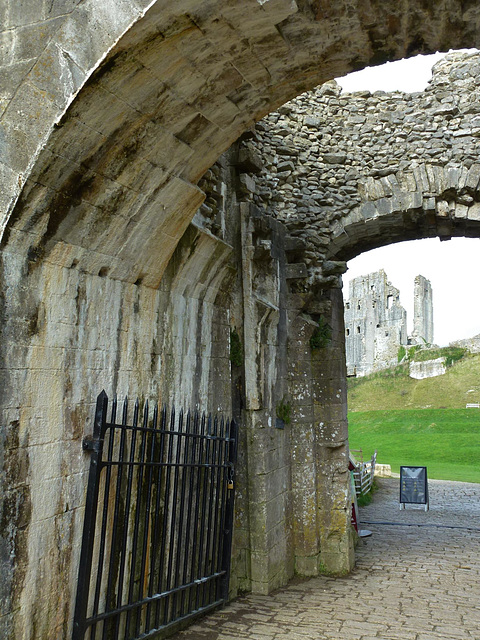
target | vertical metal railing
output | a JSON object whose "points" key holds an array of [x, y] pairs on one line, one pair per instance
{"points": [[158, 521]]}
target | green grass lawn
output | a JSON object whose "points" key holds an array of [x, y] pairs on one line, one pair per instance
{"points": [[446, 441]]}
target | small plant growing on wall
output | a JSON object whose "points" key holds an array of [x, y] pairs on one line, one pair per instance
{"points": [[322, 335], [284, 411], [236, 350]]}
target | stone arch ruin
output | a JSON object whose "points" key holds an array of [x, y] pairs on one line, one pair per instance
{"points": [[110, 115]]}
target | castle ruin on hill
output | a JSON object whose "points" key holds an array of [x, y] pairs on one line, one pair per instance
{"points": [[376, 322]]}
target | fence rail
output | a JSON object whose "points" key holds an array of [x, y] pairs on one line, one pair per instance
{"points": [[363, 472]]}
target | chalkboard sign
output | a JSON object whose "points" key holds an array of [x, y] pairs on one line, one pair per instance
{"points": [[413, 486]]}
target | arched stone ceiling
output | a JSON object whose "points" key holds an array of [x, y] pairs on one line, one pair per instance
{"points": [[107, 160]]}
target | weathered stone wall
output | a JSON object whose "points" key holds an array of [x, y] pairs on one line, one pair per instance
{"points": [[375, 324], [170, 344], [348, 173], [422, 311], [427, 368], [472, 344], [190, 76]]}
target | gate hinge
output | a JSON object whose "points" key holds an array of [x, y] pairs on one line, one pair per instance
{"points": [[90, 444]]}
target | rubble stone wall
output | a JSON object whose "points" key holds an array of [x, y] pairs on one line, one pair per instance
{"points": [[351, 172]]}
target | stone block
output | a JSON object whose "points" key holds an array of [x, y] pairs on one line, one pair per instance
{"points": [[463, 178], [474, 212], [252, 69], [248, 161], [334, 158], [296, 271], [87, 34], [10, 181], [260, 572], [429, 204], [411, 200], [369, 211], [21, 133], [461, 211], [247, 183], [383, 470], [24, 12], [421, 178], [473, 177], [384, 206], [63, 7], [453, 175], [307, 566], [312, 122], [269, 485], [440, 178], [443, 208]]}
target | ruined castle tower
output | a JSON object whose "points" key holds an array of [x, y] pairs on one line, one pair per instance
{"points": [[422, 312], [375, 324]]}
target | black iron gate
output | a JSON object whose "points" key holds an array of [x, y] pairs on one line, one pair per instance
{"points": [[158, 522]]}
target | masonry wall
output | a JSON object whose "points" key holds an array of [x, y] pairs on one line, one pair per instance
{"points": [[110, 113], [350, 172], [422, 311], [375, 324], [170, 345]]}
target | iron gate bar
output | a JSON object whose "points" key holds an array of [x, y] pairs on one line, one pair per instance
{"points": [[182, 511], [147, 515], [227, 506], [86, 554], [165, 518], [156, 524], [104, 511], [202, 530], [174, 514], [167, 487], [137, 514], [191, 481], [157, 597], [194, 545], [210, 526]]}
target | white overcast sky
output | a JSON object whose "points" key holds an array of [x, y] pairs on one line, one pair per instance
{"points": [[453, 267]]}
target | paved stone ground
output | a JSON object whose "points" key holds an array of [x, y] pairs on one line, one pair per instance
{"points": [[410, 583]]}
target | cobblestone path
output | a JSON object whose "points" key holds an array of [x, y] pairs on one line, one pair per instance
{"points": [[417, 578]]}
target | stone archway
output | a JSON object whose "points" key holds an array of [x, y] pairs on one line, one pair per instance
{"points": [[346, 174], [111, 115]]}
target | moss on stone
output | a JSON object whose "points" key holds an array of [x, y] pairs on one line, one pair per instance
{"points": [[236, 349]]}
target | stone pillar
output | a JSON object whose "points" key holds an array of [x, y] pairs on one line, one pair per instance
{"points": [[322, 533], [331, 450], [267, 446], [422, 311], [305, 504]]}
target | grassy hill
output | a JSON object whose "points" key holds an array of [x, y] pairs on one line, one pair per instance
{"points": [[394, 389], [420, 422]]}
